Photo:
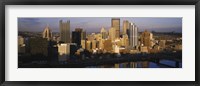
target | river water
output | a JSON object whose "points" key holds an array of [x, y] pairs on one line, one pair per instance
{"points": [[142, 64]]}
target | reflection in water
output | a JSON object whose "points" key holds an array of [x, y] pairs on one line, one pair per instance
{"points": [[142, 64]]}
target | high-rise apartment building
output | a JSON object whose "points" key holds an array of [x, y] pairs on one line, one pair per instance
{"points": [[116, 25], [64, 31]]}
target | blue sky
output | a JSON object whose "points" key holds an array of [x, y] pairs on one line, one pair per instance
{"points": [[94, 24]]}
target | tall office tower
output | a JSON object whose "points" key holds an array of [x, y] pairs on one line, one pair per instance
{"points": [[133, 35], [65, 31], [116, 24], [83, 35], [146, 38], [47, 33], [78, 35], [125, 26], [112, 34], [136, 38], [104, 33]]}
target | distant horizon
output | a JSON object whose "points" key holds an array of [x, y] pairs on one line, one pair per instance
{"points": [[94, 24]]}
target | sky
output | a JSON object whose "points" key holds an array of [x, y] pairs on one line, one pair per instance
{"points": [[94, 24]]}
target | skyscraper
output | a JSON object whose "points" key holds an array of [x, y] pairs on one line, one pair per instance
{"points": [[136, 36], [83, 35], [116, 25], [125, 26], [47, 33], [65, 31], [133, 35], [112, 34], [78, 35]]}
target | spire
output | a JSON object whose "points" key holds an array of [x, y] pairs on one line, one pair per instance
{"points": [[103, 29], [47, 32]]}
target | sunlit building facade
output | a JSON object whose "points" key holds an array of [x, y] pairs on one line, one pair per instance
{"points": [[47, 33], [115, 23]]}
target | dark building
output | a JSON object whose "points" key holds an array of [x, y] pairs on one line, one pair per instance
{"points": [[78, 35], [38, 46], [65, 31]]}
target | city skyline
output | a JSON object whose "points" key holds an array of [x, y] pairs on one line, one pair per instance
{"points": [[94, 24], [120, 46]]}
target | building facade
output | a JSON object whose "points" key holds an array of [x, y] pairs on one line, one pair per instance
{"points": [[133, 35], [112, 34], [125, 26], [64, 31], [146, 38], [63, 51], [78, 35], [116, 25], [104, 33]]}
